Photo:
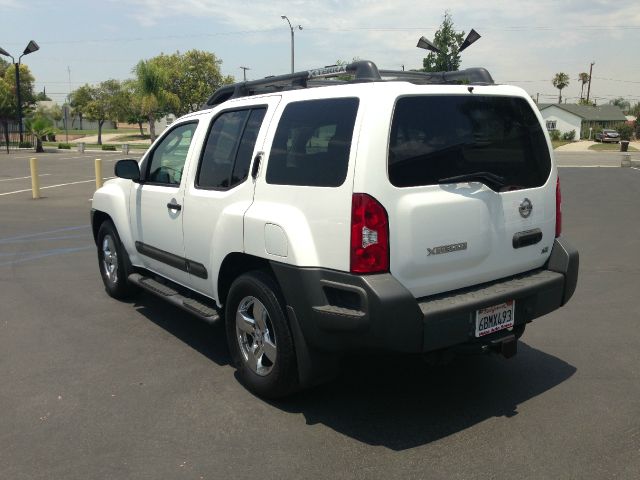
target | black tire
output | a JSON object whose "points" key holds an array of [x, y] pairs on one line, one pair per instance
{"points": [[115, 267], [260, 375]]}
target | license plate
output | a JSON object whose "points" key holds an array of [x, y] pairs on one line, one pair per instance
{"points": [[495, 318]]}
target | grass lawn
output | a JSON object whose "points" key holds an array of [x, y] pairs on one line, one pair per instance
{"points": [[609, 147], [559, 143]]}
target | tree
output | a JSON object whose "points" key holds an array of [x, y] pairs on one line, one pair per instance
{"points": [[53, 112], [134, 111], [7, 72], [79, 100], [40, 127], [192, 77], [621, 103], [8, 97], [448, 42], [42, 97], [155, 98], [5, 109], [560, 81], [584, 79], [107, 103]]}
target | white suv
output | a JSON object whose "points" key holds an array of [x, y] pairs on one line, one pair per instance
{"points": [[398, 211]]}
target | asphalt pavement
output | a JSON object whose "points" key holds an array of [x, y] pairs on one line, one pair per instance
{"points": [[100, 389]]}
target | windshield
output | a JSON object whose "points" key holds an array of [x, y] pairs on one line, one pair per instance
{"points": [[436, 137]]}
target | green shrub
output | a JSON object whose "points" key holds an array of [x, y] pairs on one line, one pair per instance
{"points": [[25, 145], [625, 131], [64, 146], [571, 136], [110, 148], [555, 135]]}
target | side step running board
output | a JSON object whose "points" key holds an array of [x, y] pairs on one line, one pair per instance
{"points": [[191, 305]]}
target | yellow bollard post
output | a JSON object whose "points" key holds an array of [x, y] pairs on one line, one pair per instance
{"points": [[35, 180], [98, 173]]}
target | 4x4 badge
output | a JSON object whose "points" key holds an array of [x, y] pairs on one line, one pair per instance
{"points": [[525, 208]]}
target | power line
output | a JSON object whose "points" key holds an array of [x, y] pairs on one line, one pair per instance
{"points": [[517, 28]]}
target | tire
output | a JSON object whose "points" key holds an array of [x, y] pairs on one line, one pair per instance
{"points": [[113, 262], [259, 338]]}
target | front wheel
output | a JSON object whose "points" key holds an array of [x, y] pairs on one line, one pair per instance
{"points": [[259, 337], [113, 262]]}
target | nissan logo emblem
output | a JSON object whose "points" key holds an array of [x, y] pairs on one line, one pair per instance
{"points": [[525, 208]]}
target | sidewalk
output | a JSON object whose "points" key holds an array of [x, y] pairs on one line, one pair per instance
{"points": [[108, 138], [583, 146]]}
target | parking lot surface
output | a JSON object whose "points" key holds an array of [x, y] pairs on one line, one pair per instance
{"points": [[96, 388]]}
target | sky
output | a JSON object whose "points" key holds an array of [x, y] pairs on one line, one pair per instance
{"points": [[523, 43]]}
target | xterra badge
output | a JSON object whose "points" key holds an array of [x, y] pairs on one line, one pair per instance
{"points": [[454, 247]]}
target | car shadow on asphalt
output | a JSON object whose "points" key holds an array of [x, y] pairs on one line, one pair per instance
{"points": [[400, 402], [209, 340], [395, 401]]}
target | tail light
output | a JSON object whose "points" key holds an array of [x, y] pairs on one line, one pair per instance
{"points": [[558, 209], [369, 235]]}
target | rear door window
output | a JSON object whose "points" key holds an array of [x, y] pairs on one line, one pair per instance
{"points": [[227, 154], [312, 143], [434, 138]]}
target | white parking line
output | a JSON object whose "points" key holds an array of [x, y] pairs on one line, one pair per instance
{"points": [[53, 186], [22, 178], [588, 166]]}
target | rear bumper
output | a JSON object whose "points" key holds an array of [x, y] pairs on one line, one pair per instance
{"points": [[338, 311]]}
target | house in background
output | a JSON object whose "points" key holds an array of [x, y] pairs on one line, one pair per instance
{"points": [[565, 117]]}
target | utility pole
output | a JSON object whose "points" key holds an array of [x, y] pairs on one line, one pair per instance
{"points": [[244, 72], [589, 86], [66, 107], [537, 98]]}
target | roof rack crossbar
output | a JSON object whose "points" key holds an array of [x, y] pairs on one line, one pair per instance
{"points": [[468, 75]]}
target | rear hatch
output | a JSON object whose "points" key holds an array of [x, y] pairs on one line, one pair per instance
{"points": [[474, 198]]}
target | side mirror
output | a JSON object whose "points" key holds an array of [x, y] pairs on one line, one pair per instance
{"points": [[128, 169]]}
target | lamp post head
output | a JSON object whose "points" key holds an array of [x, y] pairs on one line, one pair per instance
{"points": [[4, 52], [31, 47], [299, 27], [471, 38], [427, 45], [283, 16]]}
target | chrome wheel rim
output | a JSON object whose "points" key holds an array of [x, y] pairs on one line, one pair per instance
{"points": [[110, 259], [255, 335]]}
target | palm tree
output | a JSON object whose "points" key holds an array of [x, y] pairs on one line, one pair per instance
{"points": [[584, 79], [155, 99], [40, 127], [560, 80]]}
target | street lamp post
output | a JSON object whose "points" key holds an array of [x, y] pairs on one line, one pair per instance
{"points": [[31, 47], [291, 27], [427, 45], [244, 72]]}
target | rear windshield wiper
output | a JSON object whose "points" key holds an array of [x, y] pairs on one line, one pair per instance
{"points": [[483, 177]]}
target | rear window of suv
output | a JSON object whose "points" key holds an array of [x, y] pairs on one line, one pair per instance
{"points": [[312, 143], [436, 137]]}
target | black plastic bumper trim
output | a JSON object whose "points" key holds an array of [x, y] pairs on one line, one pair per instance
{"points": [[388, 317]]}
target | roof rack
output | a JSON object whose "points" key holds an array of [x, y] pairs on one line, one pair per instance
{"points": [[360, 71]]}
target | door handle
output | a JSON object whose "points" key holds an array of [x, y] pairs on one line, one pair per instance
{"points": [[256, 165], [174, 206]]}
